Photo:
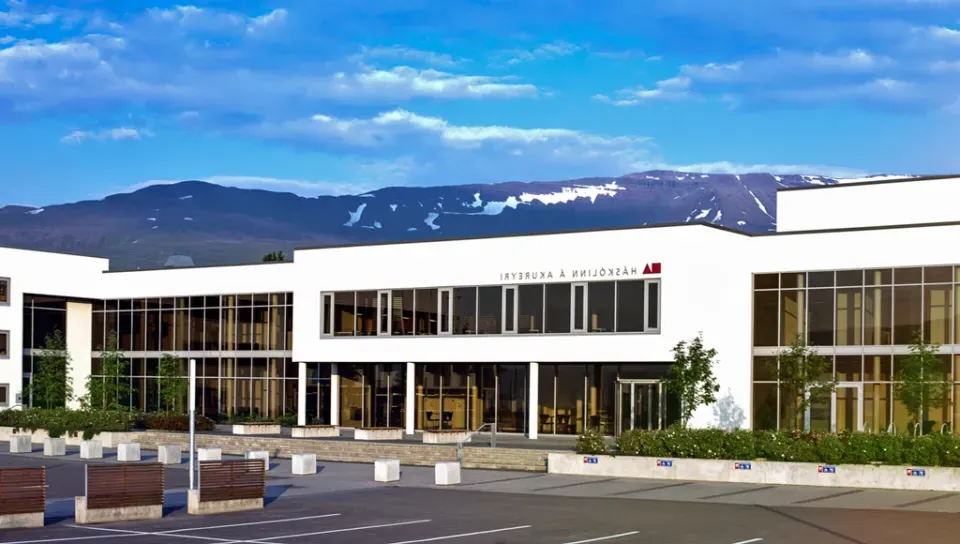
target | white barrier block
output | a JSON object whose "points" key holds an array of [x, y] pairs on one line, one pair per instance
{"points": [[260, 454], [303, 463], [21, 443], [54, 447], [169, 454], [128, 451], [209, 454], [447, 473], [91, 449], [386, 470]]}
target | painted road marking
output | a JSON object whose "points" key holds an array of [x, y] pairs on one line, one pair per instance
{"points": [[287, 520], [598, 539], [749, 541], [464, 535], [333, 531]]}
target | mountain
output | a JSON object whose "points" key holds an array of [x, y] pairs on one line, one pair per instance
{"points": [[220, 225]]}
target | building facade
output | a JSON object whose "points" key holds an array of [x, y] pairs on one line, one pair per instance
{"points": [[540, 334]]}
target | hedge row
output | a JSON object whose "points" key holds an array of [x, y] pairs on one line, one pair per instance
{"points": [[844, 448], [60, 422]]}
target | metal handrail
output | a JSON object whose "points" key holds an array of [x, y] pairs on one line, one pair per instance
{"points": [[944, 427], [493, 439], [916, 428]]}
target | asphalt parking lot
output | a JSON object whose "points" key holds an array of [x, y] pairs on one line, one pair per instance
{"points": [[342, 504]]}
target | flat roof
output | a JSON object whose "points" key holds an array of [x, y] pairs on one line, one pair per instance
{"points": [[873, 182]]}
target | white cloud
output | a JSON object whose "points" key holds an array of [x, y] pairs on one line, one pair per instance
{"points": [[555, 49], [789, 64], [210, 19], [407, 54], [273, 19], [19, 17], [406, 82], [675, 88], [4, 40], [942, 34], [115, 134]]}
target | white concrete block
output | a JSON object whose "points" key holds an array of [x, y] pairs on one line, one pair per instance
{"points": [[303, 463], [447, 473], [260, 454], [21, 443], [169, 454], [386, 470], [54, 447], [128, 451], [209, 454], [91, 449]]}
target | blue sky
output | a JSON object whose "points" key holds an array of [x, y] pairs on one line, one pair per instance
{"points": [[341, 96]]}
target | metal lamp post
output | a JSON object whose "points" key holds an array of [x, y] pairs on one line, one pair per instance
{"points": [[193, 412]]}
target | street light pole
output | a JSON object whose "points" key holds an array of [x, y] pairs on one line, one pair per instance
{"points": [[193, 412]]}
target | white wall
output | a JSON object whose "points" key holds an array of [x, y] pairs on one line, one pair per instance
{"points": [[704, 288], [197, 281], [80, 345], [869, 204], [40, 273]]}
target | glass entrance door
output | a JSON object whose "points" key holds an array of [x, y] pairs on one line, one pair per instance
{"points": [[641, 405], [839, 411]]}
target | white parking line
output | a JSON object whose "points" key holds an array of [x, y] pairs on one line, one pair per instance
{"points": [[463, 535], [749, 541], [601, 538], [118, 533], [287, 520], [270, 539]]}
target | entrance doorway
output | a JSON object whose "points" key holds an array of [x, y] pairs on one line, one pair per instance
{"points": [[840, 411], [641, 405]]}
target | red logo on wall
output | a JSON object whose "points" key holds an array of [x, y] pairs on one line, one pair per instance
{"points": [[652, 268]]}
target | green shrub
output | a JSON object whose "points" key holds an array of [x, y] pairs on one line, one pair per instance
{"points": [[287, 420], [850, 448], [173, 422], [592, 442]]}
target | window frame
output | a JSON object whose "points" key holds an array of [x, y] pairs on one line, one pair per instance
{"points": [[503, 309], [6, 334], [6, 403], [582, 327], [647, 329], [449, 311], [8, 283], [326, 314], [384, 315]]}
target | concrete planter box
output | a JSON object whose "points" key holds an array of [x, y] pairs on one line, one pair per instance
{"points": [[21, 521], [381, 433], [169, 454], [447, 474], [445, 437], [209, 454], [386, 470], [91, 449], [758, 472], [128, 452], [256, 428], [259, 454], [20, 443], [303, 464], [108, 439], [85, 516], [316, 431], [54, 447], [195, 507]]}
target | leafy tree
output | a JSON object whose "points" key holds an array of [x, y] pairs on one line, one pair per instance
{"points": [[172, 385], [803, 376], [921, 380], [274, 256], [691, 377], [111, 390], [51, 385]]}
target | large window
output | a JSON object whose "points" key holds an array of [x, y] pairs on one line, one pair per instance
{"points": [[553, 308], [4, 344], [4, 291]]}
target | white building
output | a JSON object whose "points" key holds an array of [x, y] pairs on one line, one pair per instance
{"points": [[542, 334]]}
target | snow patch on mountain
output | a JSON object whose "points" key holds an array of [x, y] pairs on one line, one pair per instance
{"points": [[703, 213], [188, 219], [757, 200], [718, 217], [188, 197], [879, 177], [431, 217], [355, 216], [393, 207], [35, 212], [151, 219]]}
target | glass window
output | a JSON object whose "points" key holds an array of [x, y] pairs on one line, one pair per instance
{"points": [[579, 313], [793, 280], [630, 304], [509, 309], [139, 330], [938, 274], [766, 281], [570, 398], [489, 309], [366, 313], [849, 368], [465, 310], [153, 330], [821, 317], [4, 395], [558, 308], [905, 276], [166, 331], [4, 344], [883, 276], [4, 291], [877, 316], [384, 319], [343, 313], [446, 299], [937, 313], [876, 368], [765, 406], [849, 278], [99, 323], [181, 322], [260, 299], [196, 328], [653, 305], [426, 315], [849, 316], [261, 317], [327, 313], [276, 334], [401, 308], [530, 311], [876, 407], [820, 279], [600, 306], [791, 316], [907, 316], [547, 414], [762, 371]]}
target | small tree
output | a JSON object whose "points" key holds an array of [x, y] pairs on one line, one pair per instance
{"points": [[921, 381], [274, 256], [691, 377], [803, 376], [51, 385], [172, 384], [111, 390]]}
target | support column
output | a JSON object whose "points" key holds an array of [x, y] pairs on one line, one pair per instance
{"points": [[334, 395], [411, 399], [533, 406], [80, 346], [302, 394]]}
